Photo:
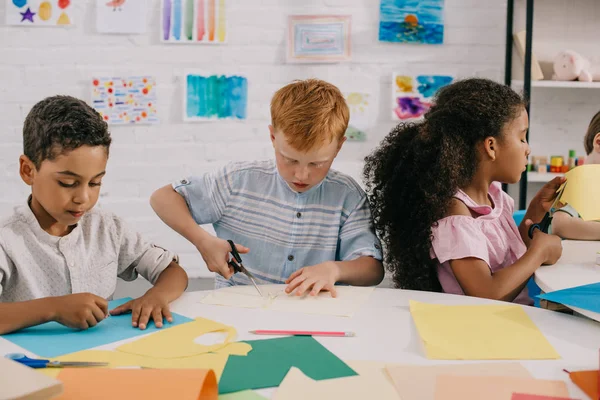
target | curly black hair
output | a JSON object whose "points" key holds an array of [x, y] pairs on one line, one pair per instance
{"points": [[59, 124], [416, 170]]}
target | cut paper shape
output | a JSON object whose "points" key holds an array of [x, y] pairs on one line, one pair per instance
{"points": [[119, 16], [53, 339], [360, 113], [582, 191], [349, 299], [408, 21], [243, 395], [586, 297], [588, 382], [318, 38], [180, 341], [482, 332], [453, 387], [371, 383], [525, 396], [412, 96], [193, 21], [49, 13], [271, 359], [125, 100], [213, 97], [418, 382], [147, 384], [20, 382]]}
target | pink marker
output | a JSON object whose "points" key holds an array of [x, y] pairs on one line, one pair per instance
{"points": [[302, 333]]}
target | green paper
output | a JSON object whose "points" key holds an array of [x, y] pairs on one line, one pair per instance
{"points": [[271, 359], [244, 395]]}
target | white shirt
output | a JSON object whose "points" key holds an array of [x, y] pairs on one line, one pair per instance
{"points": [[35, 264]]}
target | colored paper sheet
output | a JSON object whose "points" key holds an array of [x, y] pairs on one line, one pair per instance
{"points": [[271, 359], [418, 382], [453, 387], [243, 395], [18, 381], [525, 396], [588, 382], [482, 332], [147, 384], [53, 339], [586, 297], [582, 191]]}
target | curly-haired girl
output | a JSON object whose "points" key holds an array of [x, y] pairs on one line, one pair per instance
{"points": [[437, 203]]}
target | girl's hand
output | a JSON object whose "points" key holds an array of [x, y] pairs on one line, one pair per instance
{"points": [[547, 193], [320, 277], [548, 246]]}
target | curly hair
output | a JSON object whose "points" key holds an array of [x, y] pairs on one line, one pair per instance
{"points": [[59, 124], [416, 170]]}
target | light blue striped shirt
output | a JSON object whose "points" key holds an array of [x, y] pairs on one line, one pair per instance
{"points": [[251, 204]]}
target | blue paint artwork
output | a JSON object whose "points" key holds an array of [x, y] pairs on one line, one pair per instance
{"points": [[210, 97], [412, 21], [53, 339], [430, 84], [19, 3], [586, 297]]}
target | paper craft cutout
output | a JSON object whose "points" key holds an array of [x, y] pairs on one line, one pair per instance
{"points": [[56, 13], [147, 384], [586, 297], [482, 332], [120, 16], [418, 382], [349, 299], [20, 382], [582, 191], [453, 387], [243, 395], [525, 396], [588, 382], [371, 383], [53, 339], [271, 359]]}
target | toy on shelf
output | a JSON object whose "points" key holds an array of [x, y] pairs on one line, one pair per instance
{"points": [[557, 164], [571, 66]]}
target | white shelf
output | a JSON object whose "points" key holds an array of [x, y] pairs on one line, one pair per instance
{"points": [[560, 84], [542, 177]]}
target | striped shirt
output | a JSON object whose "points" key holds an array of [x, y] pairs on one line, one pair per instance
{"points": [[252, 205]]}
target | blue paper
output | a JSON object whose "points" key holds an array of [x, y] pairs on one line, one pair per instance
{"points": [[586, 297], [53, 339]]}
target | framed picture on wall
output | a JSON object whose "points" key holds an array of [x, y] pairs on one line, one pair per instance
{"points": [[318, 39]]}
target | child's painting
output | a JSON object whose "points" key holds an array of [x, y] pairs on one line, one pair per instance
{"points": [[121, 16], [55, 13], [412, 21], [209, 97], [412, 95], [318, 39], [193, 21], [127, 100], [360, 112]]}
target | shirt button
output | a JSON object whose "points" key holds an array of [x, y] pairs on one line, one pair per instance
{"points": [[377, 246], [291, 257], [298, 214], [184, 182]]}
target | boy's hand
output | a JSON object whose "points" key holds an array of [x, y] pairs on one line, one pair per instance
{"points": [[316, 278], [215, 253], [154, 303], [80, 310]]}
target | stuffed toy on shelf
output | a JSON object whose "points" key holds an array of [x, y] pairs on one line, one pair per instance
{"points": [[572, 66]]}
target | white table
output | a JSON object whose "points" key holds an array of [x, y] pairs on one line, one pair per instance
{"points": [[576, 267], [385, 331]]}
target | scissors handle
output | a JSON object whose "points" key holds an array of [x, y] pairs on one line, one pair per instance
{"points": [[543, 225], [236, 265], [30, 362]]}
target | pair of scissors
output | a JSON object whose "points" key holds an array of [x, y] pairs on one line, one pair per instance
{"points": [[40, 363], [544, 224], [236, 264]]}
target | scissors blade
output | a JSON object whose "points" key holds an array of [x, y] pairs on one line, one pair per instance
{"points": [[59, 364], [251, 277]]}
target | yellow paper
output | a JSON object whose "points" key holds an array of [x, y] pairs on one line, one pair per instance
{"points": [[371, 383], [582, 191], [419, 382], [178, 341], [452, 387], [482, 332], [349, 299]]}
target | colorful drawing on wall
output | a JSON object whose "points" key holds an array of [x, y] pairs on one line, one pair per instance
{"points": [[411, 21], [121, 16], [39, 12], [127, 100], [210, 97], [412, 95], [360, 106], [318, 38], [193, 21]]}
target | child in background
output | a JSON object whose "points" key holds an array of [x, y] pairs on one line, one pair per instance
{"points": [[294, 220], [437, 203], [566, 222], [60, 256]]}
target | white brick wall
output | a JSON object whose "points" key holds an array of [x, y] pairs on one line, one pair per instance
{"points": [[35, 63]]}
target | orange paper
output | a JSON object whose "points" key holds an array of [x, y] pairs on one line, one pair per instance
{"points": [[147, 384], [588, 382]]}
